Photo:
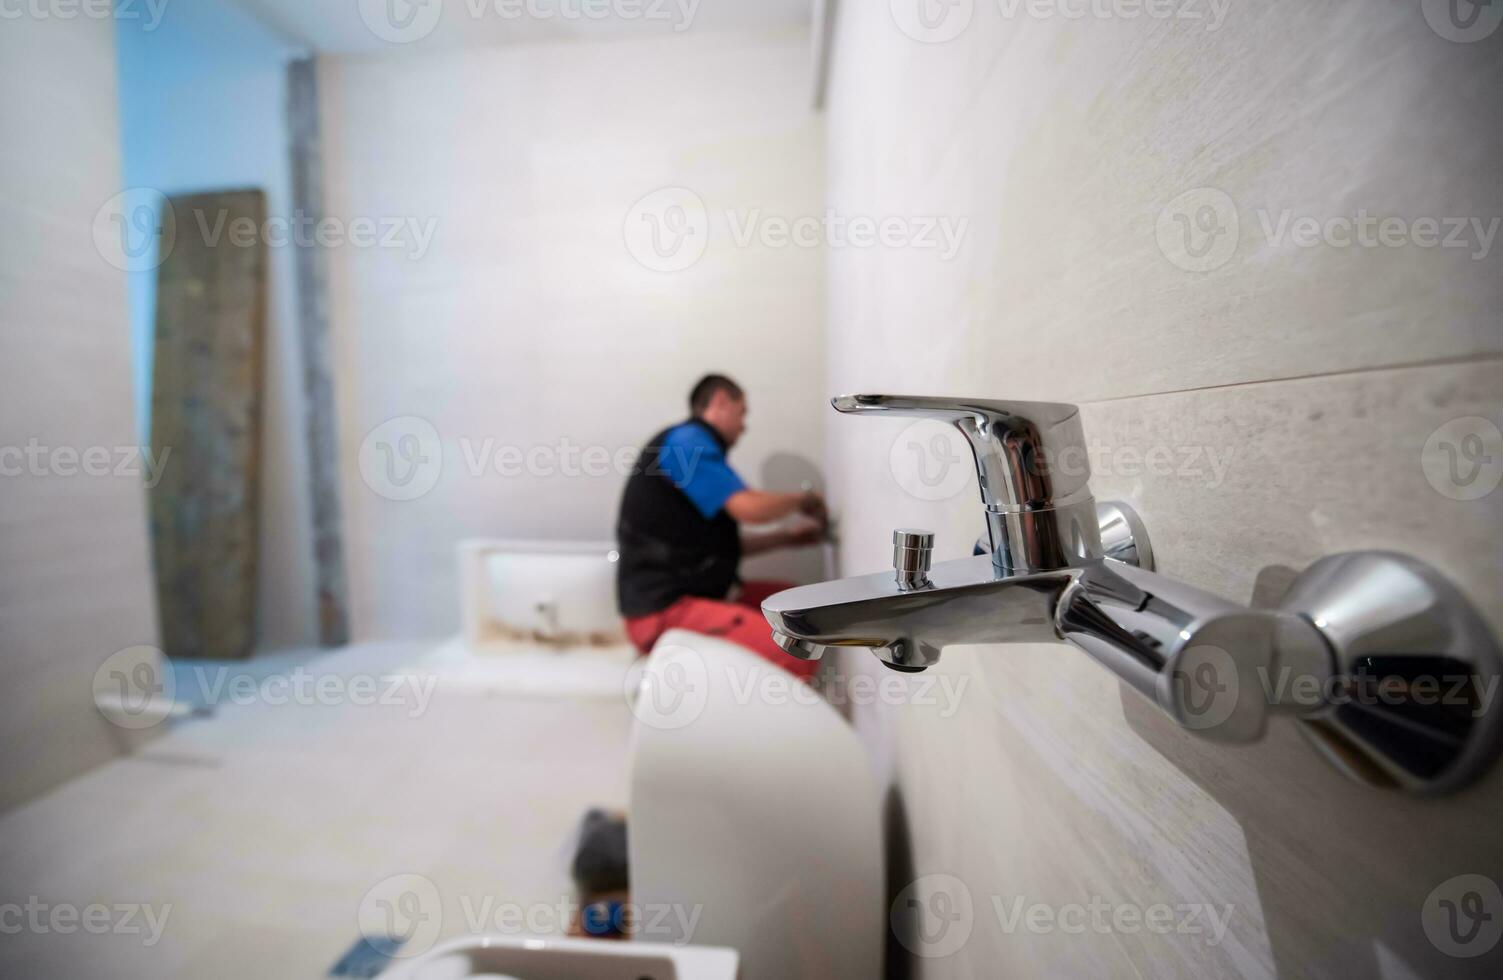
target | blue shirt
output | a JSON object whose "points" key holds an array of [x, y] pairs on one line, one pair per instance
{"points": [[695, 463]]}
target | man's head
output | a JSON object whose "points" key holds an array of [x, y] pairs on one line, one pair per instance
{"points": [[721, 403]]}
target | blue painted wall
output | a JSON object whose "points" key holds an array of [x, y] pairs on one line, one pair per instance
{"points": [[202, 108]]}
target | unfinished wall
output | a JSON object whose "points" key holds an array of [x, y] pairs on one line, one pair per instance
{"points": [[1306, 373]]}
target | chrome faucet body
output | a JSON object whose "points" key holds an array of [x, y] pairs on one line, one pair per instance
{"points": [[1032, 468], [1212, 665]]}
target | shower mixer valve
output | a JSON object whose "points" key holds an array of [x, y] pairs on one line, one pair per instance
{"points": [[1385, 665]]}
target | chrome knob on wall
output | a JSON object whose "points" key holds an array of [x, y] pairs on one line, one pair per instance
{"points": [[1388, 669]]}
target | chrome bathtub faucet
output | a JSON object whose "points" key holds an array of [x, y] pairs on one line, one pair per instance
{"points": [[1356, 650]]}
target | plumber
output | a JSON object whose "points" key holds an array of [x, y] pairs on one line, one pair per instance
{"points": [[680, 534]]}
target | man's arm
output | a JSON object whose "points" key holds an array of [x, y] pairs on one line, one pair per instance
{"points": [[796, 537], [760, 507]]}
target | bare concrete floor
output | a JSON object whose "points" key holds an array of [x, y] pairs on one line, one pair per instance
{"points": [[246, 841]]}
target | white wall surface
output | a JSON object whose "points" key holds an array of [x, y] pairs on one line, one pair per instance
{"points": [[526, 324], [374, 25], [203, 95], [75, 584], [1322, 371]]}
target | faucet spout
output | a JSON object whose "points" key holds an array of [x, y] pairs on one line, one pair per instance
{"points": [[965, 601]]}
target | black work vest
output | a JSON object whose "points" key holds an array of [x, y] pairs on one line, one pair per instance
{"points": [[668, 548]]}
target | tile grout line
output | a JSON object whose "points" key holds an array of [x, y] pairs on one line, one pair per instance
{"points": [[1439, 362]]}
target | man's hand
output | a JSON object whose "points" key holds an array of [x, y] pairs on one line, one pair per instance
{"points": [[805, 534], [813, 505], [800, 535]]}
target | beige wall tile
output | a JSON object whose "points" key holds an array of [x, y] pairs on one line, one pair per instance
{"points": [[75, 579], [1304, 381]]}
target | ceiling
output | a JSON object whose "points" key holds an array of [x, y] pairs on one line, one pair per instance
{"points": [[361, 26]]}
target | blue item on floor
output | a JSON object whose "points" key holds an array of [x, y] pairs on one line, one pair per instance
{"points": [[367, 958]]}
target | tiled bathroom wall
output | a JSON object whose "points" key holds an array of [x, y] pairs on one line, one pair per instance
{"points": [[75, 574], [538, 324], [1256, 243]]}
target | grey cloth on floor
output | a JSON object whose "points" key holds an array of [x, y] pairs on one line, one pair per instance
{"points": [[600, 860]]}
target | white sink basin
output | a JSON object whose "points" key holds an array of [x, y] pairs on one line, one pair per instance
{"points": [[511, 958]]}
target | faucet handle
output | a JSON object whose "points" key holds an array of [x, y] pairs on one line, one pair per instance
{"points": [[912, 552], [1032, 468]]}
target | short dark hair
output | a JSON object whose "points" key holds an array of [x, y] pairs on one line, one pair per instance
{"points": [[706, 388]]}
